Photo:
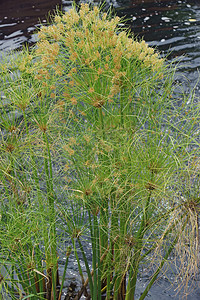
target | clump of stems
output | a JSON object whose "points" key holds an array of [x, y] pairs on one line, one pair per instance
{"points": [[96, 136]]}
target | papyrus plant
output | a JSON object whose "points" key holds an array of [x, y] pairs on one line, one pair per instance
{"points": [[118, 140]]}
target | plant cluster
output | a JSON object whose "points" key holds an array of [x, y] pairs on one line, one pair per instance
{"points": [[99, 146]]}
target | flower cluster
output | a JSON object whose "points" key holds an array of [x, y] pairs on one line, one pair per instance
{"points": [[100, 59]]}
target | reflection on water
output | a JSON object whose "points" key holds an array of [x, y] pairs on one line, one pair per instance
{"points": [[172, 26], [18, 19]]}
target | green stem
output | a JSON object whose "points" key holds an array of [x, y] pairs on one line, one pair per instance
{"points": [[50, 195], [99, 267], [122, 109], [103, 234], [109, 274], [49, 160], [64, 273], [49, 182], [94, 255], [39, 194], [87, 268], [115, 217], [134, 268], [77, 258], [102, 123]]}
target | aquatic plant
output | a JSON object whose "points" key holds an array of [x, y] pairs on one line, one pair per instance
{"points": [[97, 136]]}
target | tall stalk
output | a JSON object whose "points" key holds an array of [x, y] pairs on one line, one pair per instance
{"points": [[50, 196], [122, 107], [134, 267], [101, 123], [39, 194]]}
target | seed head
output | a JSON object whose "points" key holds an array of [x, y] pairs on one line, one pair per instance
{"points": [[73, 101]]}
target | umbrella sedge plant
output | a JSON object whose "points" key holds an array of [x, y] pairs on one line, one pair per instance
{"points": [[96, 136]]}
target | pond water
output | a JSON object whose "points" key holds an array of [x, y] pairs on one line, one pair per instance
{"points": [[171, 26]]}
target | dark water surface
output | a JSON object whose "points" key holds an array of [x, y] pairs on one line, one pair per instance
{"points": [[171, 26]]}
